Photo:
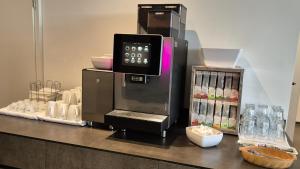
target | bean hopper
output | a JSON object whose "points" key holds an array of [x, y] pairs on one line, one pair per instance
{"points": [[149, 79]]}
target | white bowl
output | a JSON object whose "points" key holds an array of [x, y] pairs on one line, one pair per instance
{"points": [[204, 139], [102, 62]]}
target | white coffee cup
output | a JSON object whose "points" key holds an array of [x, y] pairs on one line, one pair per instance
{"points": [[12, 106], [66, 96], [28, 107], [63, 110], [80, 106], [78, 88], [74, 113], [26, 101], [73, 99], [52, 110], [77, 91], [34, 106], [42, 106], [20, 107]]}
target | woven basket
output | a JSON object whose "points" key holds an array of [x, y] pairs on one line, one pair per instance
{"points": [[267, 157]]}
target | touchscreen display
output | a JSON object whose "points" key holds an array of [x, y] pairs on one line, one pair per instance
{"points": [[136, 54]]}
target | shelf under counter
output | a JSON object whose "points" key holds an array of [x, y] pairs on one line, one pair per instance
{"points": [[51, 143]]}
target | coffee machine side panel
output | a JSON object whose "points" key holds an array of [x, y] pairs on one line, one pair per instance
{"points": [[153, 97], [97, 94], [178, 82]]}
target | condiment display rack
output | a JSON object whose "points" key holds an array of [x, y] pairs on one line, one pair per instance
{"points": [[215, 98]]}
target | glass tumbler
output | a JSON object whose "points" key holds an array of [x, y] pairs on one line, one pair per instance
{"points": [[263, 122]]}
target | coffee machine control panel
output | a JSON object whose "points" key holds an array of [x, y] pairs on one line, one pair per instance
{"points": [[137, 54]]}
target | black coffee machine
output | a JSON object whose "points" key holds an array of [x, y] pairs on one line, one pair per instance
{"points": [[149, 70]]}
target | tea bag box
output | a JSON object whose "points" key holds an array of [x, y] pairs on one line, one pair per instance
{"points": [[216, 97]]}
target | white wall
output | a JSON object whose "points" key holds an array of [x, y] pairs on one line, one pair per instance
{"points": [[295, 93], [298, 115], [297, 74], [16, 50], [267, 31]]}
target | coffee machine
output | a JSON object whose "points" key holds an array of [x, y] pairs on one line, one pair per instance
{"points": [[149, 75]]}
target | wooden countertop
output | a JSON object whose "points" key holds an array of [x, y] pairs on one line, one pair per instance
{"points": [[181, 150]]}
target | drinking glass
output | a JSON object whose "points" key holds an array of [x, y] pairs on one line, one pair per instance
{"points": [[248, 121], [263, 122], [277, 124]]}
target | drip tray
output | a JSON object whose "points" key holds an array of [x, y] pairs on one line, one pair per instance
{"points": [[137, 121], [146, 139]]}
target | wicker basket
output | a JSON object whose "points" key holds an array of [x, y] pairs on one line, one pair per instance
{"points": [[267, 157]]}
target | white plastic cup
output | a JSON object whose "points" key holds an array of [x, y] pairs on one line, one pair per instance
{"points": [[74, 113], [66, 97], [63, 110], [52, 109], [73, 99]]}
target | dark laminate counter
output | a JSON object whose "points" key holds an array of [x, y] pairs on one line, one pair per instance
{"points": [[181, 151]]}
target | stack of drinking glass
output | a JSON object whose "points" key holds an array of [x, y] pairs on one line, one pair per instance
{"points": [[262, 124]]}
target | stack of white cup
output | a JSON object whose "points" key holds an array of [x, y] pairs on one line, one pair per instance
{"points": [[27, 106], [69, 108]]}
